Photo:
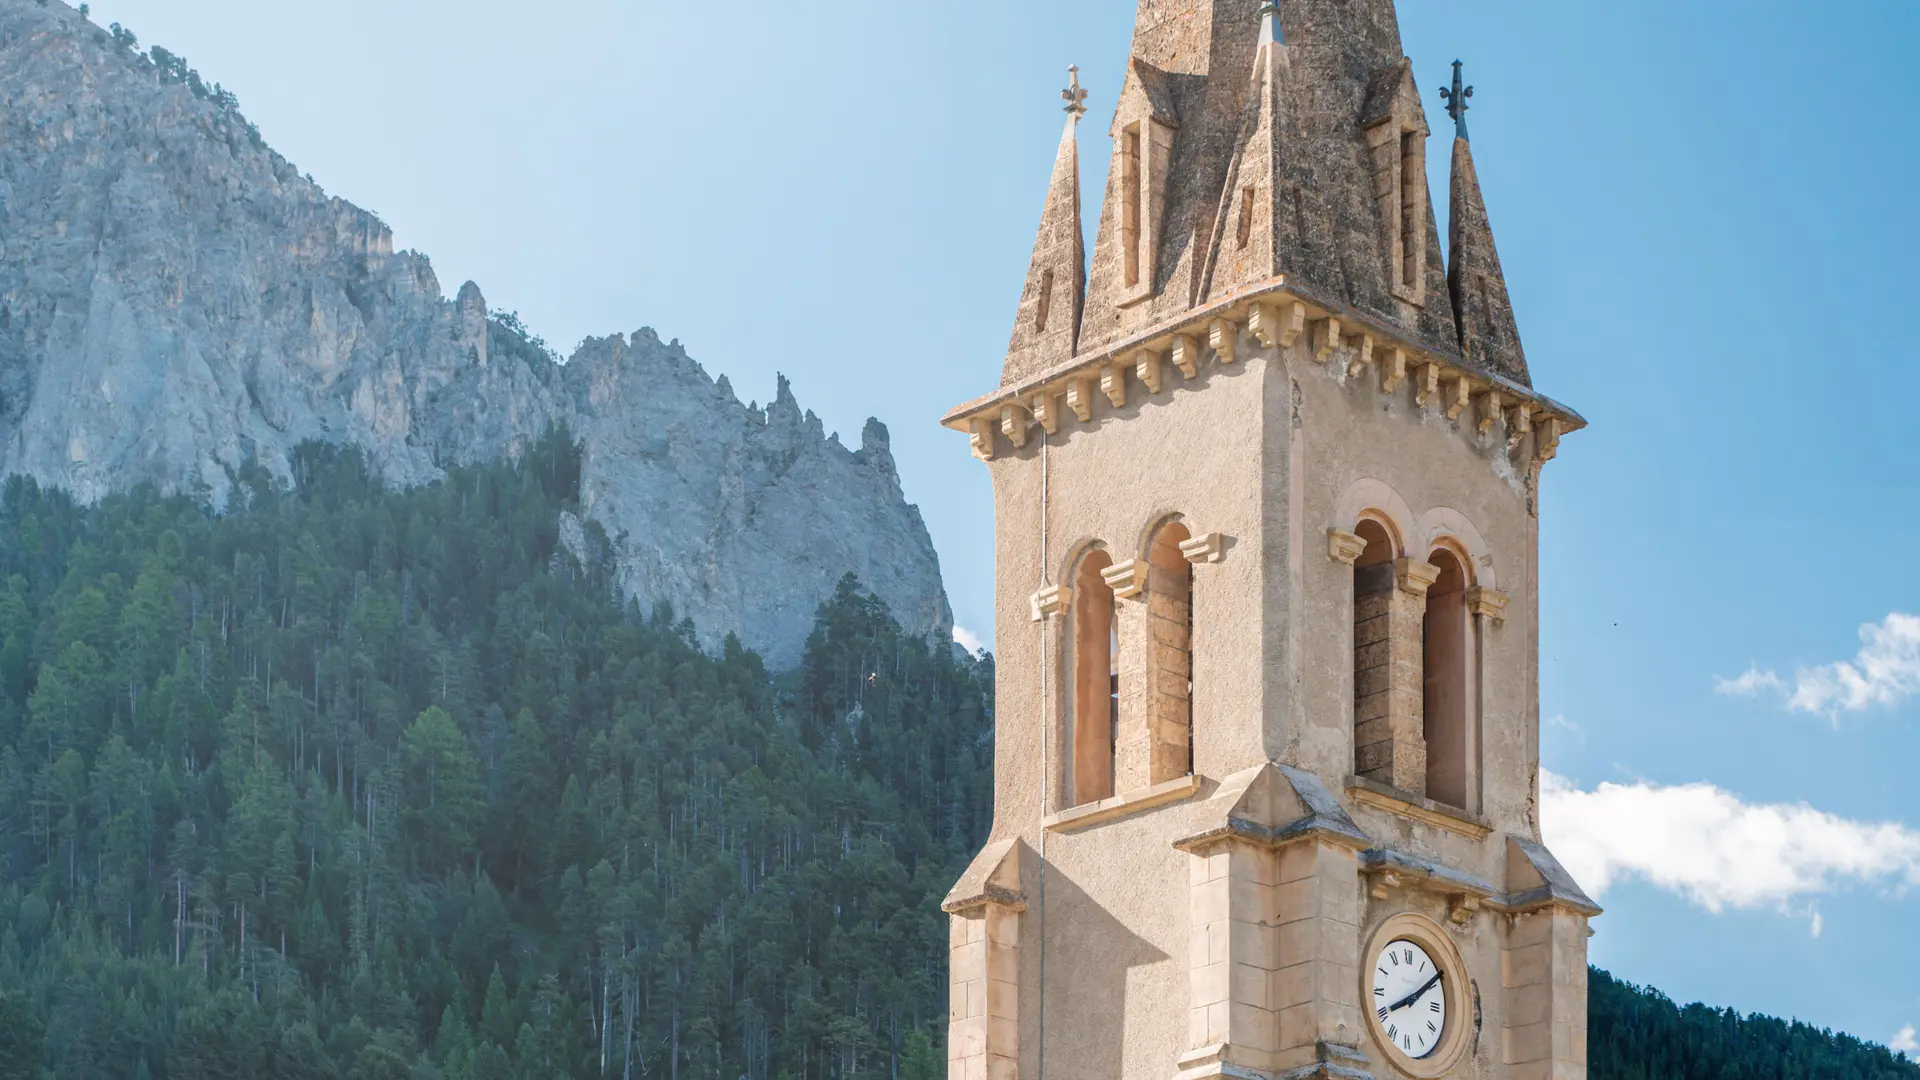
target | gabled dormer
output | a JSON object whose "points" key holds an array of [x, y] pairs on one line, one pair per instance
{"points": [[1144, 126], [1397, 131]]}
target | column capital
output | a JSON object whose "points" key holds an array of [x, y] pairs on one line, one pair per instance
{"points": [[1489, 602], [1415, 575], [1127, 579], [1051, 601], [1345, 547]]}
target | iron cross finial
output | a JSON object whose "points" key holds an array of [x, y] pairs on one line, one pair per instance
{"points": [[1076, 97], [1456, 99]]}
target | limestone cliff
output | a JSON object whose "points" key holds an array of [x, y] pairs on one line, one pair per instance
{"points": [[175, 299]]}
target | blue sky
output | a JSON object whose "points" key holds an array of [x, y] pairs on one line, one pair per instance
{"points": [[1704, 211]]}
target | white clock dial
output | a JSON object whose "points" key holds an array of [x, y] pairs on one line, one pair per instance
{"points": [[1409, 999]]}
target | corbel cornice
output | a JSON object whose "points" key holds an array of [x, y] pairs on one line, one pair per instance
{"points": [[1278, 313]]}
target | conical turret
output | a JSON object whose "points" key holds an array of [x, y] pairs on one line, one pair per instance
{"points": [[1489, 334], [1048, 327]]}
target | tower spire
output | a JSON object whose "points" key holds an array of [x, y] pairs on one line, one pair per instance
{"points": [[1047, 329], [1489, 333]]}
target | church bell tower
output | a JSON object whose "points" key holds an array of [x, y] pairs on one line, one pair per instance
{"points": [[1266, 476]]}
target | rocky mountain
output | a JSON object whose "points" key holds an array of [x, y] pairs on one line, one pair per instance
{"points": [[176, 299]]}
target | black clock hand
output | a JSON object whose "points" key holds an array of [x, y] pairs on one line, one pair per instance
{"points": [[1417, 994]]}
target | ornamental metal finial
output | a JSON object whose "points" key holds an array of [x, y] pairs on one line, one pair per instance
{"points": [[1075, 96], [1456, 99], [1270, 21]]}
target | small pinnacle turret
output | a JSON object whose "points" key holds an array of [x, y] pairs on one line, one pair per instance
{"points": [[1047, 330], [1489, 333]]}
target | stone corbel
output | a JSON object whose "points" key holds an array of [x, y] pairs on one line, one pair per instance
{"points": [[1278, 325], [1345, 547], [1223, 338], [1489, 602], [1127, 579], [1080, 398], [1461, 908], [1519, 424], [1046, 410], [1429, 385], [1113, 383], [1492, 410], [1050, 601], [1326, 338], [980, 434], [1546, 440], [1415, 576], [1394, 371], [1381, 883], [1363, 358], [1014, 422], [1210, 548], [1459, 397], [1186, 356], [1146, 365]]}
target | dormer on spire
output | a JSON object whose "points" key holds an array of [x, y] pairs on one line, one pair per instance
{"points": [[1047, 330], [1489, 333], [1255, 233]]}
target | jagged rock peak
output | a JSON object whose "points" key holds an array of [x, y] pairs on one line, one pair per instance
{"points": [[176, 300]]}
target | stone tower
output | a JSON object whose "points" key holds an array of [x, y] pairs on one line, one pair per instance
{"points": [[1266, 482]]}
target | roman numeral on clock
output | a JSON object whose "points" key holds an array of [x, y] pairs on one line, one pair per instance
{"points": [[1383, 1012], [1433, 1007]]}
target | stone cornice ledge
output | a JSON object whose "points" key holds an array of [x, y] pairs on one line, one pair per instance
{"points": [[1231, 307], [1426, 811], [1137, 802], [992, 895], [1426, 874], [1318, 827]]}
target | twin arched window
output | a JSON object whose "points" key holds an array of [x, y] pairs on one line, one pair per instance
{"points": [[1130, 670], [1415, 664]]}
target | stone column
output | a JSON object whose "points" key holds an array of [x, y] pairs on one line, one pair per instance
{"points": [[1169, 663], [983, 1020], [1390, 606]]}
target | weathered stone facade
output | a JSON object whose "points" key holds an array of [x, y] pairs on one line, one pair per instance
{"points": [[1267, 606]]}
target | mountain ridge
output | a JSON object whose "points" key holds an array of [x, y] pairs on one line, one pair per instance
{"points": [[176, 299]]}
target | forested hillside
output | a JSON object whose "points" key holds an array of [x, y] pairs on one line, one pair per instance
{"points": [[352, 782], [1637, 1033], [356, 782]]}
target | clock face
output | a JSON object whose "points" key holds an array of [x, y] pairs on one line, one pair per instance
{"points": [[1409, 999]]}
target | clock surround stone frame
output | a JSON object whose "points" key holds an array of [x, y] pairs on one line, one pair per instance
{"points": [[1440, 947]]}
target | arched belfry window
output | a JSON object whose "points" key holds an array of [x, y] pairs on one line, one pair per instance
{"points": [[1449, 669], [1170, 654], [1095, 683]]}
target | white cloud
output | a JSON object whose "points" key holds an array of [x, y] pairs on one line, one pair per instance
{"points": [[1886, 671], [1904, 1043], [1719, 852], [1753, 682], [1819, 923], [967, 639]]}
